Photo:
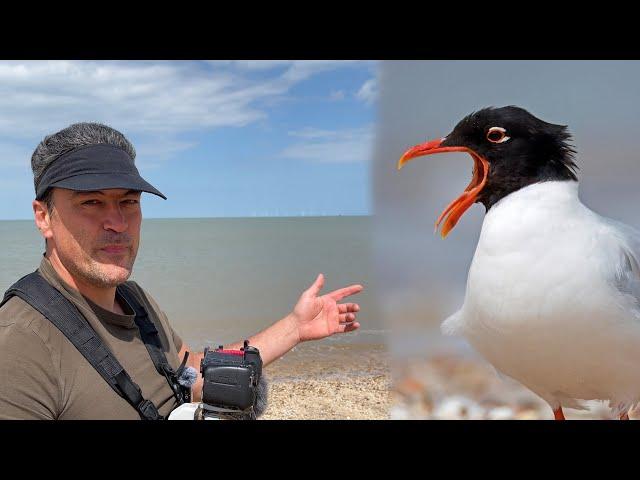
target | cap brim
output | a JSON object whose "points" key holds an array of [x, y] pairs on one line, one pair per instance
{"points": [[105, 181]]}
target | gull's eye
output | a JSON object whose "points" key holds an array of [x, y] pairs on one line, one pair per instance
{"points": [[497, 135]]}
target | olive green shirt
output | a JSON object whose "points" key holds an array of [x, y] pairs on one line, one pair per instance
{"points": [[43, 376]]}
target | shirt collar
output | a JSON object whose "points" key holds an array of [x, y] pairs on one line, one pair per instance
{"points": [[49, 273]]}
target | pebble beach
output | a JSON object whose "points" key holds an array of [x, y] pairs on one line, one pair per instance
{"points": [[329, 382], [457, 387]]}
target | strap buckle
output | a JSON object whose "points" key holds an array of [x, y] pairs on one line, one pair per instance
{"points": [[148, 410]]}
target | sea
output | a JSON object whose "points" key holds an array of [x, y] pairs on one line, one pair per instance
{"points": [[220, 280]]}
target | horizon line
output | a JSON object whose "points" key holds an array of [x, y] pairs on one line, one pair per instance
{"points": [[220, 217]]}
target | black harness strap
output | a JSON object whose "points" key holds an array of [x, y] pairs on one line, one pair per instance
{"points": [[148, 331], [47, 300], [151, 339]]}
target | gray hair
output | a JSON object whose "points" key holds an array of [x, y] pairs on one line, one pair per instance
{"points": [[74, 136]]}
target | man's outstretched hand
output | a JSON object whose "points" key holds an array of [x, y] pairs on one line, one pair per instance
{"points": [[318, 317], [314, 317]]}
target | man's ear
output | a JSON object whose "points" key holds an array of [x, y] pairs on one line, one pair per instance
{"points": [[42, 218]]}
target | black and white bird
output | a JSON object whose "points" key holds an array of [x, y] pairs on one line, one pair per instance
{"points": [[553, 291]]}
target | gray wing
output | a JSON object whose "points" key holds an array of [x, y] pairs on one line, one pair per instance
{"points": [[627, 276]]}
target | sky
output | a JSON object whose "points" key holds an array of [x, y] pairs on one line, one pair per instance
{"points": [[218, 138], [422, 278]]}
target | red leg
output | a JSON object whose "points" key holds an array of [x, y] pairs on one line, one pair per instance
{"points": [[624, 416], [558, 415]]}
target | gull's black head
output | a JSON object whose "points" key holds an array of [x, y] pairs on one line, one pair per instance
{"points": [[521, 149], [511, 149]]}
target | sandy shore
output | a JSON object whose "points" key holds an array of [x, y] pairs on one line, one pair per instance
{"points": [[329, 383], [457, 387]]}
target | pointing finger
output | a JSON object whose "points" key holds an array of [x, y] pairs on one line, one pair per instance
{"points": [[339, 294]]}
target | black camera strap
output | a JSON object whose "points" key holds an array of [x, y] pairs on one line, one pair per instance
{"points": [[54, 306]]}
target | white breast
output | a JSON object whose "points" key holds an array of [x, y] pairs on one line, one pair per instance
{"points": [[552, 298]]}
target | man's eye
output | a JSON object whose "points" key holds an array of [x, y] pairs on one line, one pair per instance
{"points": [[91, 202], [131, 201]]}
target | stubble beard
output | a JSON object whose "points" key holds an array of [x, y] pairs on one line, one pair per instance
{"points": [[103, 275], [110, 275], [94, 272]]}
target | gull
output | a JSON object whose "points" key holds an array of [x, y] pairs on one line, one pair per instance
{"points": [[553, 291]]}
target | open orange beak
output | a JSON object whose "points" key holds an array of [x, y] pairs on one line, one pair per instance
{"points": [[455, 209]]}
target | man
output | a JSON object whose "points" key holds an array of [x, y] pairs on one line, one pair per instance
{"points": [[87, 208]]}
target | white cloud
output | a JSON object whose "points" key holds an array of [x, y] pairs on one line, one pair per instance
{"points": [[37, 97], [303, 69], [368, 92], [325, 146], [261, 64], [310, 132], [156, 100]]}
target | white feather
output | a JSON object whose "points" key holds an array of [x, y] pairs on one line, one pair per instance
{"points": [[553, 298]]}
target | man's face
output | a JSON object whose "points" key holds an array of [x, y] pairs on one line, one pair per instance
{"points": [[96, 234]]}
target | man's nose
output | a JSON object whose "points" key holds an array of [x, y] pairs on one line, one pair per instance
{"points": [[115, 219]]}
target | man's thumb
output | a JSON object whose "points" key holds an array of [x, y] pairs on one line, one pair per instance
{"points": [[317, 285]]}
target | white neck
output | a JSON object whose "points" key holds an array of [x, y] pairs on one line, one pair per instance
{"points": [[550, 192], [539, 209]]}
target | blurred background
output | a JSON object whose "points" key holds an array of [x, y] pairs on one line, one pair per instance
{"points": [[421, 277]]}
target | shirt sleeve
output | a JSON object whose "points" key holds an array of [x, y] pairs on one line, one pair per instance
{"points": [[28, 383]]}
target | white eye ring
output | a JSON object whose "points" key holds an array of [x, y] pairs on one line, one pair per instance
{"points": [[501, 131]]}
